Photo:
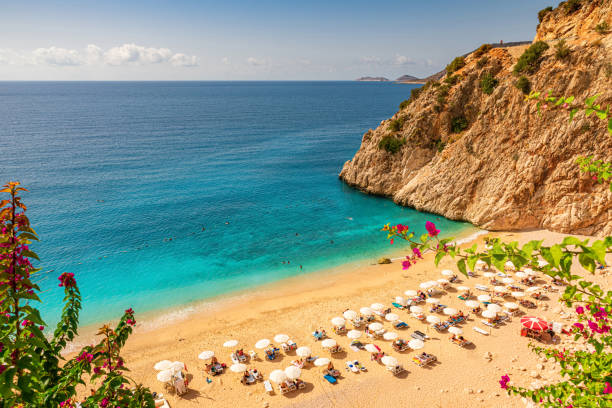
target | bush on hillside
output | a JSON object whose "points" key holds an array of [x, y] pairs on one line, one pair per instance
{"points": [[530, 60], [482, 61], [414, 93], [455, 65], [483, 49], [488, 82], [562, 51], [391, 144], [572, 6], [395, 125], [459, 124], [404, 104], [452, 79], [542, 13], [442, 94], [602, 28], [523, 84]]}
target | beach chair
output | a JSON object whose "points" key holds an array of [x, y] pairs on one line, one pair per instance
{"points": [[350, 366], [336, 349], [527, 303], [161, 403], [481, 331], [419, 335], [340, 330], [333, 372], [482, 288], [418, 316], [298, 363], [378, 334], [400, 325], [330, 379], [396, 370], [253, 355], [399, 347], [424, 359], [490, 323], [358, 322], [460, 342], [359, 365], [299, 384], [441, 326], [397, 305]]}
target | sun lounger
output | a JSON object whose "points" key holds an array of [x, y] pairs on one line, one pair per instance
{"points": [[482, 287], [335, 349], [396, 370], [340, 330], [358, 322], [300, 384], [359, 365], [419, 335], [459, 342], [319, 335], [418, 316], [298, 363], [527, 303], [481, 331], [424, 359], [400, 325], [161, 403], [330, 379], [253, 355], [463, 297], [397, 305], [351, 366], [400, 347], [442, 326]]}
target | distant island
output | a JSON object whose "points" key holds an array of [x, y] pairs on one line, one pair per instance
{"points": [[372, 79]]}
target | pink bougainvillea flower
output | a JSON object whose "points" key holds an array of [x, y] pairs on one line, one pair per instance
{"points": [[580, 310], [417, 252], [580, 326], [504, 381], [67, 280], [406, 264], [431, 229], [401, 228], [608, 388]]}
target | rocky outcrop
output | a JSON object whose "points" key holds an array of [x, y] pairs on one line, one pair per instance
{"points": [[511, 168]]}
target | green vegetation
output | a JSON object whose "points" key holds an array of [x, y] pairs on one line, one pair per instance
{"points": [[455, 65], [571, 6], [482, 61], [404, 104], [562, 51], [483, 49], [459, 124], [452, 79], [542, 13], [439, 145], [395, 125], [391, 144], [523, 84], [602, 28], [530, 60], [442, 94], [384, 261], [488, 82]]}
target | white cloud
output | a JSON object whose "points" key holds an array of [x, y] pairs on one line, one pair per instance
{"points": [[403, 60], [57, 56], [254, 62], [371, 60], [126, 54]]}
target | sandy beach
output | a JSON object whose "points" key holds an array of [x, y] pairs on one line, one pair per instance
{"points": [[463, 377]]}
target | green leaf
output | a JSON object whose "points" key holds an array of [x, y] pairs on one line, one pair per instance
{"points": [[569, 99], [571, 241], [439, 257], [461, 266], [588, 112], [572, 114], [601, 115], [589, 101], [610, 126], [556, 252]]}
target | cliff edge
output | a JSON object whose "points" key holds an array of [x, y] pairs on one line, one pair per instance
{"points": [[469, 147]]}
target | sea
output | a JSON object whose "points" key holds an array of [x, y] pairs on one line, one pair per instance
{"points": [[157, 195]]}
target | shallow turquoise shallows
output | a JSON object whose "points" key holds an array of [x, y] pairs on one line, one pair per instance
{"points": [[157, 194]]}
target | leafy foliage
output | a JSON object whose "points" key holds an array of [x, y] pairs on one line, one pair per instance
{"points": [[523, 84], [404, 104], [602, 28], [529, 62], [488, 82], [459, 124], [482, 61], [562, 51], [455, 65], [391, 144], [599, 170], [452, 79], [395, 125], [33, 372], [483, 49], [542, 13], [571, 6]]}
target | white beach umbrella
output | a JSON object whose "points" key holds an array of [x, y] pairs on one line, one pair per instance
{"points": [[416, 344], [328, 343], [447, 272], [433, 301], [508, 281], [520, 275], [428, 284], [353, 334], [292, 372], [509, 265], [177, 366], [278, 376], [281, 338], [416, 309], [366, 311], [494, 308], [389, 361], [322, 361], [375, 326], [518, 294], [463, 288], [262, 344], [489, 314], [377, 306], [511, 305], [471, 303], [303, 351], [455, 330], [542, 263], [238, 368], [533, 289], [350, 314], [164, 376], [488, 274], [443, 281], [338, 321], [484, 298], [410, 293], [433, 319], [390, 336], [162, 365], [391, 317], [529, 271], [400, 300], [230, 343], [206, 355], [449, 311], [371, 348], [500, 288]]}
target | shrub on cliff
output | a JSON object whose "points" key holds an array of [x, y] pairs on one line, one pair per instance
{"points": [[459, 124], [452, 79], [395, 125], [572, 6], [391, 144], [455, 65], [404, 104], [483, 49], [562, 51], [482, 61], [523, 84], [602, 28], [542, 13], [530, 60], [488, 83]]}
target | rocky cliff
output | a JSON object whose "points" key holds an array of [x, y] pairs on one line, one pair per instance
{"points": [[469, 147]]}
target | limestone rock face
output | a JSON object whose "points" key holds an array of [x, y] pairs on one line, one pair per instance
{"points": [[512, 168]]}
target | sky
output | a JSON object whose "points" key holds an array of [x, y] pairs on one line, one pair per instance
{"points": [[249, 40]]}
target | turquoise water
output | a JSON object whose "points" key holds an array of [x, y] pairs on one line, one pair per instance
{"points": [[241, 176]]}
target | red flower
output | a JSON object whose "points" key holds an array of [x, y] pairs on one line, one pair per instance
{"points": [[431, 228], [67, 280], [504, 381], [580, 310], [608, 389], [417, 252], [406, 264]]}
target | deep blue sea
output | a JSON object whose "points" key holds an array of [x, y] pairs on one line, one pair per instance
{"points": [[157, 194]]}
